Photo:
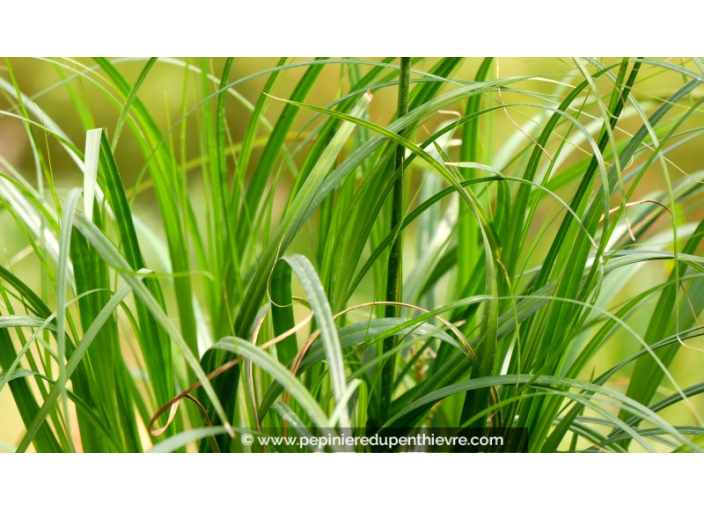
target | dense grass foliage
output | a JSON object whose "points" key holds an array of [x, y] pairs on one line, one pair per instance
{"points": [[505, 251]]}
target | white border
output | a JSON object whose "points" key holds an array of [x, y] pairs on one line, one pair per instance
{"points": [[414, 481], [263, 28]]}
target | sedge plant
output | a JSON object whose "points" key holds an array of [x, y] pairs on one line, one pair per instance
{"points": [[424, 243]]}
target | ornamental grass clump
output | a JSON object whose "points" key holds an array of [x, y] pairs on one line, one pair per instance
{"points": [[199, 251]]}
